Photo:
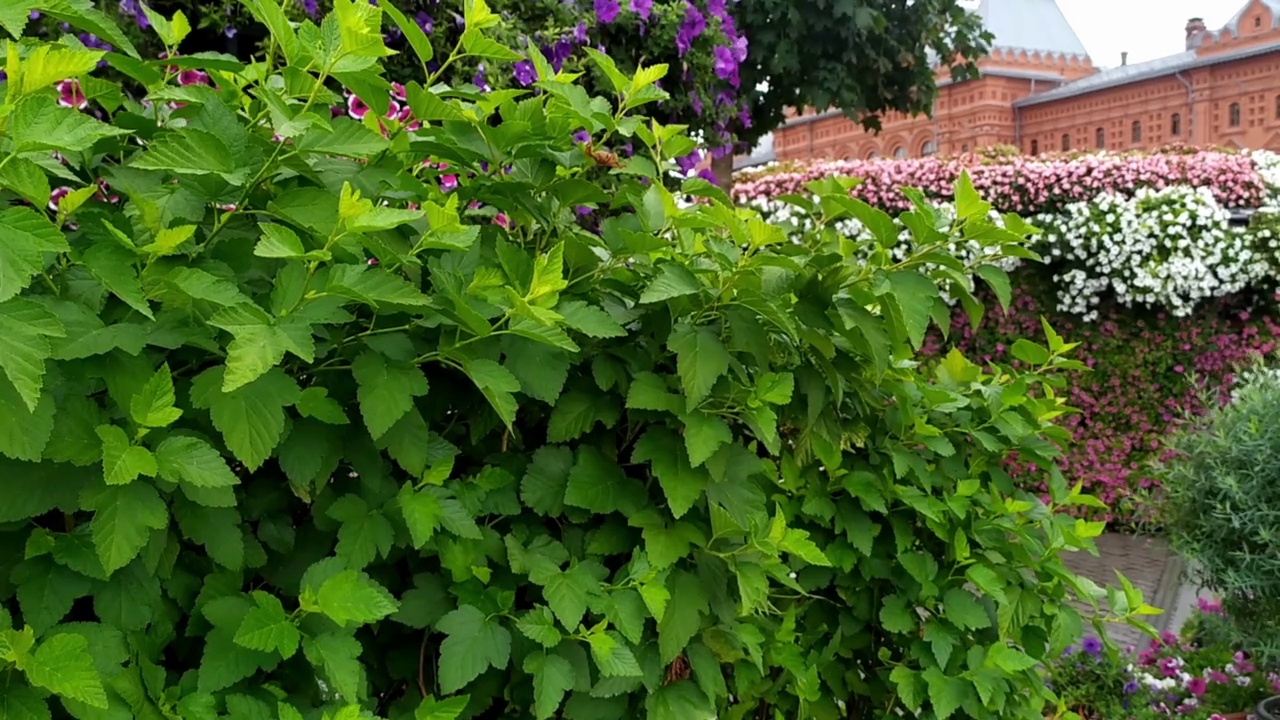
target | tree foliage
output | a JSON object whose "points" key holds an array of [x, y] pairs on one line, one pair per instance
{"points": [[295, 423]]}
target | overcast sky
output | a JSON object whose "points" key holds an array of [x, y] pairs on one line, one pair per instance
{"points": [[1147, 29]]}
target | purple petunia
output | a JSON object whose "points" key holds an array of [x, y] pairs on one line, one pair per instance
{"points": [[690, 28], [726, 66], [717, 9], [580, 33], [706, 174], [524, 73], [642, 8], [695, 102], [480, 80], [582, 136], [606, 11], [425, 21], [134, 8], [1131, 687], [686, 163], [309, 7], [1092, 645]]}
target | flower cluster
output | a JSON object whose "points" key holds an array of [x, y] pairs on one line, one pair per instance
{"points": [[1172, 677], [398, 109], [1024, 185], [1170, 248]]}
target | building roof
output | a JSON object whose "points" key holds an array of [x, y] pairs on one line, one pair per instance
{"points": [[1234, 23], [1136, 72], [762, 153], [1032, 25]]}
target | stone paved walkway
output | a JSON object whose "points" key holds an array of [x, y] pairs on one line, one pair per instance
{"points": [[1149, 564]]}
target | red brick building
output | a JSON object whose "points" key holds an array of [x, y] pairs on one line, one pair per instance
{"points": [[1039, 91]]}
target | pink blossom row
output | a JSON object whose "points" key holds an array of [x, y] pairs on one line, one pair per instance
{"points": [[1024, 185]]}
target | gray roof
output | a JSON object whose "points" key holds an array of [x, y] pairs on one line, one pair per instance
{"points": [[1234, 23], [1033, 25], [1136, 72], [761, 154]]}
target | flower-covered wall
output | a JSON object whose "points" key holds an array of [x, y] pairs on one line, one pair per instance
{"points": [[1144, 266]]}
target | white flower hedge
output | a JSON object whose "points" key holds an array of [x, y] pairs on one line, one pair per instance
{"points": [[1172, 248]]}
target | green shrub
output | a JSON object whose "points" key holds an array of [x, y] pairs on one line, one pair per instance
{"points": [[1222, 495], [295, 424]]}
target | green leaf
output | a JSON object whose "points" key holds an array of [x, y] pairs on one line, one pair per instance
{"points": [[701, 359], [539, 625], [682, 484], [896, 617], [546, 479], [267, 627], [963, 609], [683, 617], [577, 412], [153, 406], [567, 593], [476, 44], [374, 287], [553, 677], [250, 418], [386, 390], [942, 639], [38, 124], [278, 241], [26, 327], [797, 543], [20, 702], [339, 657], [25, 236], [27, 180], [496, 383], [62, 665], [447, 709], [422, 513], [1029, 352], [191, 152], [998, 279], [649, 392], [704, 433], [598, 484], [911, 688], [681, 700], [24, 433], [352, 597], [113, 266], [123, 520], [123, 462], [672, 281], [314, 402], [968, 204], [193, 461], [418, 40], [474, 644], [915, 295], [946, 694], [589, 320]]}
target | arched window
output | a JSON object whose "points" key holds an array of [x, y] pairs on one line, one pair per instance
{"points": [[874, 155], [1175, 124], [1278, 107], [1136, 131], [1233, 115], [930, 147], [965, 147], [1100, 138], [900, 152], [1066, 142], [1035, 147]]}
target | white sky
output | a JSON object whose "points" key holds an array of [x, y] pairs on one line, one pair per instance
{"points": [[1147, 29]]}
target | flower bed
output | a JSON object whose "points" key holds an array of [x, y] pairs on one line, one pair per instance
{"points": [[1199, 676], [1027, 186]]}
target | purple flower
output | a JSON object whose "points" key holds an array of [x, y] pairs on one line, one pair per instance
{"points": [[70, 95], [56, 196], [480, 80], [310, 7], [524, 73], [606, 11], [356, 107], [706, 174], [740, 49], [688, 162], [134, 8], [1092, 645], [425, 21], [34, 15], [448, 183], [192, 77], [1197, 686], [695, 102], [721, 151], [716, 8], [690, 28], [230, 31], [583, 210], [726, 66], [582, 136], [580, 33], [642, 8], [1131, 687]]}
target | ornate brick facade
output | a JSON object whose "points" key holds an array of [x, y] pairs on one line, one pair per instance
{"points": [[1040, 92]]}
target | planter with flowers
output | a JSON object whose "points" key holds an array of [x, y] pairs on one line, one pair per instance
{"points": [[1172, 677]]}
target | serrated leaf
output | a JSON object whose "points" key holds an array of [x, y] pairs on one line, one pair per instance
{"points": [[374, 287], [649, 392], [26, 328], [681, 700], [701, 359], [339, 657], [250, 418], [553, 677], [23, 703], [589, 319], [543, 487], [672, 281], [567, 593], [153, 405], [496, 383], [278, 241], [474, 644], [193, 461], [577, 412], [915, 295], [40, 124], [946, 694], [963, 609], [191, 152], [124, 516], [446, 709], [682, 483], [268, 628], [113, 266], [599, 484], [314, 402], [62, 665], [123, 462], [539, 625], [386, 390], [25, 236], [352, 597]]}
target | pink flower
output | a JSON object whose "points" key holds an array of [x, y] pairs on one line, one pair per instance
{"points": [[502, 221], [356, 107], [55, 197], [1197, 686], [70, 95], [193, 77]]}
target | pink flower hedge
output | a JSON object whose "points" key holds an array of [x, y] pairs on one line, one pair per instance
{"points": [[1148, 371], [1024, 185]]}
